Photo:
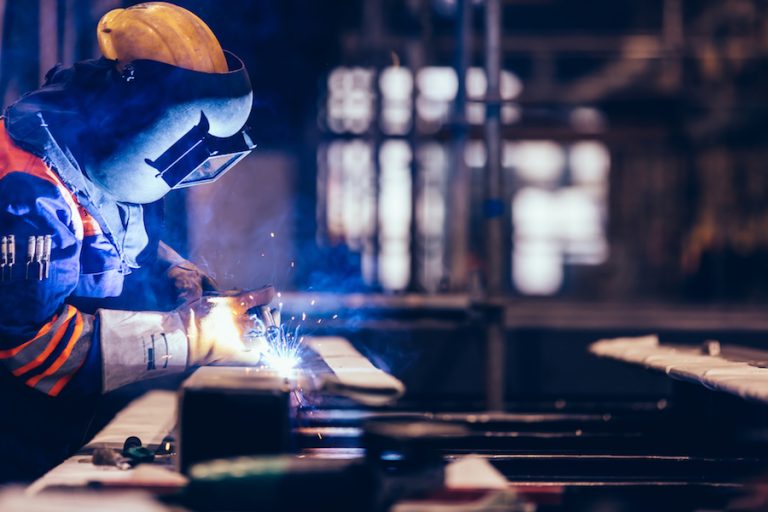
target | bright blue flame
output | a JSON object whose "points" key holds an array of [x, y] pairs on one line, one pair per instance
{"points": [[283, 347]]}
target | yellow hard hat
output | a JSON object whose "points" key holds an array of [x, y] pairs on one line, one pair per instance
{"points": [[161, 32]]}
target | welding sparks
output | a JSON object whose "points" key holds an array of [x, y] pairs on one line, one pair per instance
{"points": [[280, 348], [283, 352]]}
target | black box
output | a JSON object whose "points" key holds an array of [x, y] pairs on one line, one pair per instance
{"points": [[230, 412]]}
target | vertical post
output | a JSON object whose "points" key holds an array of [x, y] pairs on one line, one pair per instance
{"points": [[495, 353], [673, 36], [48, 33], [67, 37], [494, 209], [459, 190], [2, 24], [373, 27], [418, 57]]}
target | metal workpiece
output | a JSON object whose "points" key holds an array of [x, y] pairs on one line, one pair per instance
{"points": [[351, 375], [236, 411]]}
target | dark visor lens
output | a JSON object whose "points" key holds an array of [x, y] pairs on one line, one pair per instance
{"points": [[212, 168], [199, 157]]}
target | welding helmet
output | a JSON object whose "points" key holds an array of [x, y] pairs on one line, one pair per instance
{"points": [[172, 112]]}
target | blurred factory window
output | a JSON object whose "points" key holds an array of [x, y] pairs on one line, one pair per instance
{"points": [[537, 268], [437, 90], [475, 154], [350, 193], [539, 162], [395, 210], [590, 163], [350, 100], [383, 192], [396, 84], [477, 84], [430, 214], [559, 210]]}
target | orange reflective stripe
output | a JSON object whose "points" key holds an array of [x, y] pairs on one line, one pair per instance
{"points": [[63, 356], [15, 159], [5, 354], [56, 388], [51, 345], [90, 226]]}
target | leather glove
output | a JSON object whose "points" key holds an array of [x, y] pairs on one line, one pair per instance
{"points": [[138, 345], [187, 279], [215, 325]]}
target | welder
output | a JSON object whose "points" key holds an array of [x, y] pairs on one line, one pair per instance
{"points": [[85, 161]]}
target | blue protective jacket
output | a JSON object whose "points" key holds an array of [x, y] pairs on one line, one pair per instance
{"points": [[67, 250]]}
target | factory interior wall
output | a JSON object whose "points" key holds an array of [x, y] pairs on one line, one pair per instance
{"points": [[239, 228]]}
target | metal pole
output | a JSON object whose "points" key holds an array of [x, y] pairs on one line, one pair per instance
{"points": [[496, 350], [48, 33], [460, 184], [495, 253], [494, 205], [673, 37]]}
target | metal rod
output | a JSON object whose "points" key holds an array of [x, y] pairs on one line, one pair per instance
{"points": [[48, 34], [496, 254], [496, 350], [460, 183], [673, 38], [2, 23], [493, 206]]}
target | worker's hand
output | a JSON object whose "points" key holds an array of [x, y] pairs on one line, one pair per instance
{"points": [[189, 281], [215, 325]]}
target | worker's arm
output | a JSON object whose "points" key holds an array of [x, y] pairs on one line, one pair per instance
{"points": [[137, 343], [44, 342], [48, 344], [56, 349]]}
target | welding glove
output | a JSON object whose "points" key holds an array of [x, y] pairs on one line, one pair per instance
{"points": [[215, 325], [138, 345], [188, 280]]}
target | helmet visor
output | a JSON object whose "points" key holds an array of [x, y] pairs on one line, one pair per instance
{"points": [[212, 168], [199, 157]]}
